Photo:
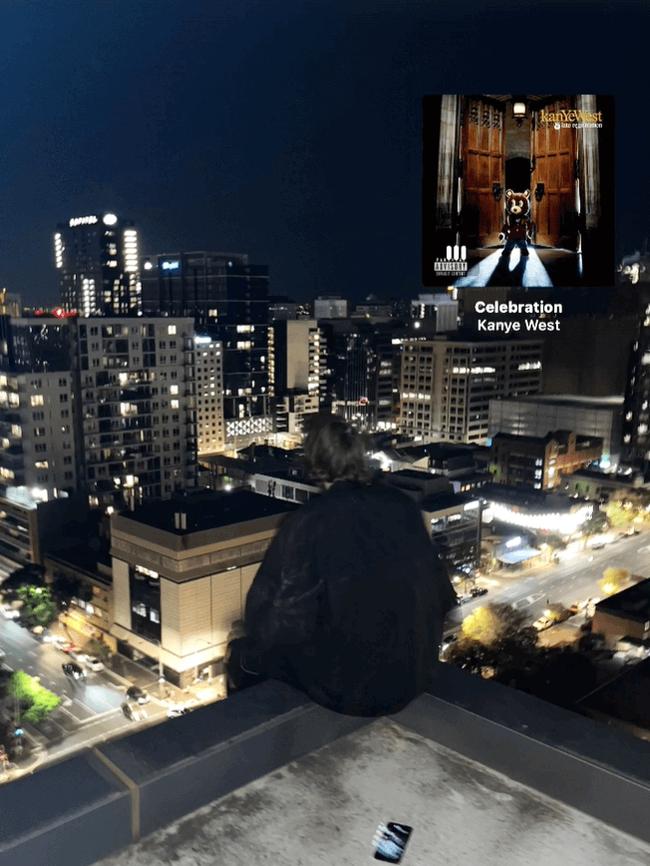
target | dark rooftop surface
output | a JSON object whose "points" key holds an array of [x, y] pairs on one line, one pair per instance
{"points": [[414, 475], [633, 602], [626, 698], [208, 510], [84, 557], [439, 501], [523, 496]]}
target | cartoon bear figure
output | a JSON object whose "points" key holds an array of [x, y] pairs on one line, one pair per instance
{"points": [[518, 226]]}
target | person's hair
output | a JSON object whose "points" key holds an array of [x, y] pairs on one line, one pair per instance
{"points": [[334, 450]]}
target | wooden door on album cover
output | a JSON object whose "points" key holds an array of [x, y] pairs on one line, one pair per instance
{"points": [[483, 166], [554, 158]]}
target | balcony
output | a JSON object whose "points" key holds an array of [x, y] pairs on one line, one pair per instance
{"points": [[483, 774]]}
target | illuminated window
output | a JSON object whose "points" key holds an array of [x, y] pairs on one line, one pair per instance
{"points": [[36, 400], [171, 330]]}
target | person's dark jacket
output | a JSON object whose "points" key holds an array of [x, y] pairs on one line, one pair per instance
{"points": [[352, 596]]}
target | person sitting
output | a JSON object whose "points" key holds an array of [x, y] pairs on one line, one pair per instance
{"points": [[348, 604]]}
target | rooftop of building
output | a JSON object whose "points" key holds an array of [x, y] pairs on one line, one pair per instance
{"points": [[612, 477], [438, 450], [84, 557], [526, 497], [413, 475], [482, 773], [445, 499], [560, 436], [631, 603], [626, 697], [206, 509], [611, 402]]}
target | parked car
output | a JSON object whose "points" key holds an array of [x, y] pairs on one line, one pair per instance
{"points": [[448, 640], [93, 663], [179, 710], [477, 591], [72, 670], [134, 712], [135, 693], [543, 623]]}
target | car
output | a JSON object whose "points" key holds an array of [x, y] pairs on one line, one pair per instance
{"points": [[133, 712], [543, 623], [9, 612], [477, 591], [448, 640], [135, 693], [72, 670], [178, 710], [93, 663], [573, 609]]}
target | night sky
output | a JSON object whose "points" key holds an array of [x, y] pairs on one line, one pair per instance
{"points": [[288, 130]]}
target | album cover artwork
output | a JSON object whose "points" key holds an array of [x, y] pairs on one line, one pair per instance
{"points": [[518, 190]]}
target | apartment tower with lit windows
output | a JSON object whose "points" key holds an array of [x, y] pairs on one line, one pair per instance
{"points": [[96, 257], [228, 299]]}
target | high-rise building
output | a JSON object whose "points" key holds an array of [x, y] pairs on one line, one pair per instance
{"points": [[38, 448], [228, 299], [210, 425], [294, 371], [97, 259], [357, 378], [96, 405], [447, 384], [137, 424], [10, 303], [636, 409], [437, 310], [330, 307]]}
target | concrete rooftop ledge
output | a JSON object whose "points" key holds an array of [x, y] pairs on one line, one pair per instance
{"points": [[436, 756], [324, 808]]}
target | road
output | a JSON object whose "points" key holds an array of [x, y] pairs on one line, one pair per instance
{"points": [[565, 582], [89, 712]]}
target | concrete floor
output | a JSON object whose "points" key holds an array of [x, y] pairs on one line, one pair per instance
{"points": [[325, 808]]}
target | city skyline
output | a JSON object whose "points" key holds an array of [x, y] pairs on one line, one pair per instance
{"points": [[310, 161]]}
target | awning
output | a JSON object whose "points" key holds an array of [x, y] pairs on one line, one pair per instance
{"points": [[519, 554]]}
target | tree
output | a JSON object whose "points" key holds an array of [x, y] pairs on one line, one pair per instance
{"points": [[613, 580], [36, 701], [39, 607], [98, 648], [561, 676], [598, 521], [492, 623], [26, 575], [65, 587], [495, 638]]}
